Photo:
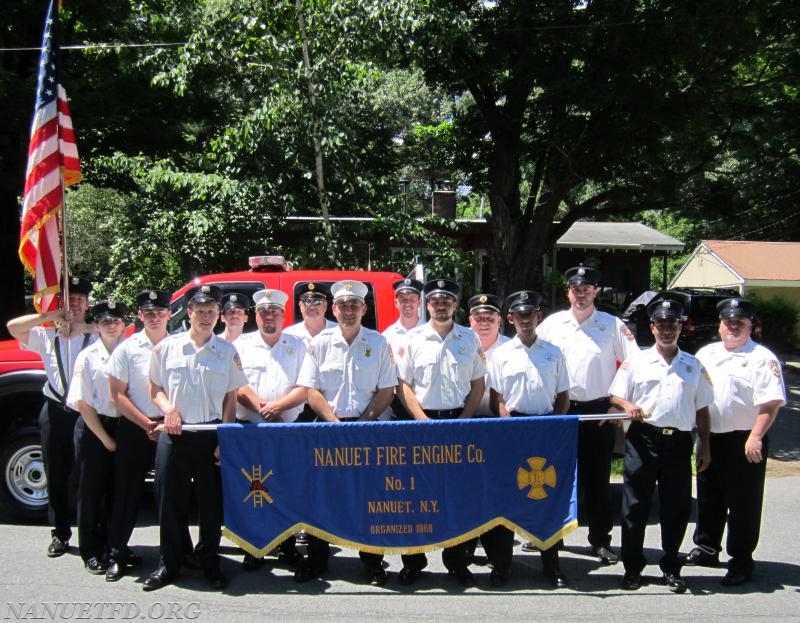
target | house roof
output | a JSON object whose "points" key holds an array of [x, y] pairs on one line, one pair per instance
{"points": [[618, 236], [756, 260]]}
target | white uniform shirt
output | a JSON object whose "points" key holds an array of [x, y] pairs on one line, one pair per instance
{"points": [[42, 342], [483, 409], [299, 330], [271, 370], [591, 349], [743, 379], [130, 363], [196, 381], [669, 393], [348, 375], [529, 378], [90, 380], [440, 371], [396, 333]]}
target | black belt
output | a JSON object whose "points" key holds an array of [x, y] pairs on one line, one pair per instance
{"points": [[605, 400], [521, 414], [106, 418], [663, 430], [443, 414]]}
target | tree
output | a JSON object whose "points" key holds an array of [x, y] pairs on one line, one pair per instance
{"points": [[600, 109]]}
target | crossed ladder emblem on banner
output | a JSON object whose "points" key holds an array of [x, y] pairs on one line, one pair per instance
{"points": [[258, 491]]}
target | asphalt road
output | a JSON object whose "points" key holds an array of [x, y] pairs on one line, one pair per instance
{"points": [[35, 587]]}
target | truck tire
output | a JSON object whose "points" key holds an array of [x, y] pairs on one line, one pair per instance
{"points": [[23, 489]]}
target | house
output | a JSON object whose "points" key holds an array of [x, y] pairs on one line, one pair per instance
{"points": [[751, 267]]}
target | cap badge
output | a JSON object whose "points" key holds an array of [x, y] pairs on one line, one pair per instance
{"points": [[523, 296], [75, 281], [348, 286], [205, 289], [581, 271], [735, 303], [152, 296], [112, 305], [311, 286], [234, 298], [268, 295], [483, 299], [440, 283], [665, 304], [407, 281]]}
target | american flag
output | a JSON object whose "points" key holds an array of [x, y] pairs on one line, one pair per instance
{"points": [[52, 165]]}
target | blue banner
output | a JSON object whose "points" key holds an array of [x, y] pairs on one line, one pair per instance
{"points": [[399, 487]]}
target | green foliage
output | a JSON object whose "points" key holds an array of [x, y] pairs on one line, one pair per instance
{"points": [[779, 322]]}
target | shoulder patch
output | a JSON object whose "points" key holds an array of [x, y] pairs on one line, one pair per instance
{"points": [[774, 368], [705, 374], [627, 333], [237, 360]]}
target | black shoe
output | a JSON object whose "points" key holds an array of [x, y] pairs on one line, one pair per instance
{"points": [[735, 578], [631, 581], [115, 571], [307, 572], [292, 558], [556, 578], [377, 576], [95, 566], [530, 547], [158, 579], [408, 576], [499, 577], [605, 555], [700, 558], [215, 579], [251, 563], [57, 547], [463, 576], [675, 583]]}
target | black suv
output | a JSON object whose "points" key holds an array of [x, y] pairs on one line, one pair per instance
{"points": [[700, 320]]}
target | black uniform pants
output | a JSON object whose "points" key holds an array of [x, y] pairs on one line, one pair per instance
{"points": [[455, 557], [595, 446], [732, 490], [132, 460], [182, 461], [319, 553], [655, 455], [57, 430], [96, 489]]}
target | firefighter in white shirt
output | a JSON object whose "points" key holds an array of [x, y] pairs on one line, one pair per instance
{"points": [[89, 394], [527, 377], [58, 346], [194, 378], [485, 319], [593, 342], [441, 376], [666, 393], [272, 361], [748, 391], [350, 375]]}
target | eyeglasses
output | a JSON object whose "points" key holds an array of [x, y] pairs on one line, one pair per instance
{"points": [[311, 302]]}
